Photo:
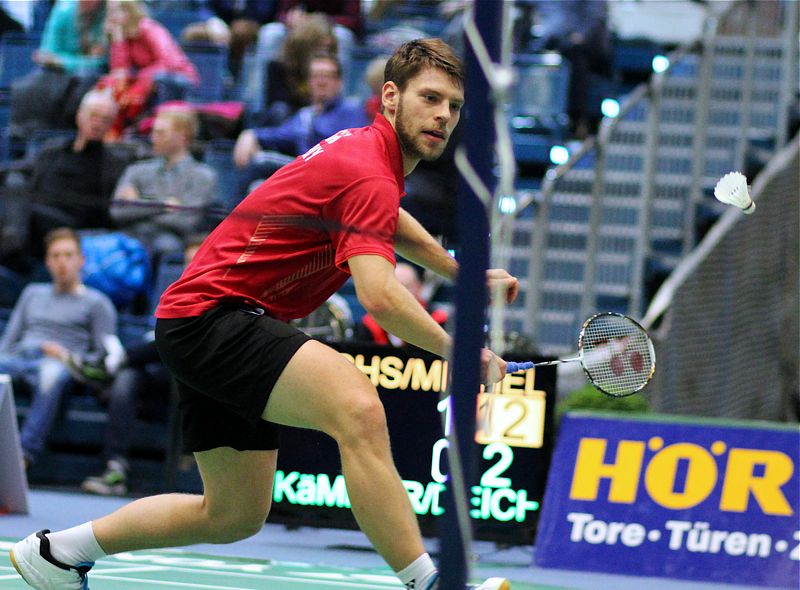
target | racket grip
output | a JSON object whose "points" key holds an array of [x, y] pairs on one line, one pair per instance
{"points": [[512, 367]]}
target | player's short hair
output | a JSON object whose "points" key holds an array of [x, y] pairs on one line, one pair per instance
{"points": [[411, 58], [61, 233]]}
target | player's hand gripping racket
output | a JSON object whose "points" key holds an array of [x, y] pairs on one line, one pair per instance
{"points": [[616, 354]]}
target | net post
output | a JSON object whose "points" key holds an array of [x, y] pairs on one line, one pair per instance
{"points": [[470, 297]]}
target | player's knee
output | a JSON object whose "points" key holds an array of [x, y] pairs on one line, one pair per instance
{"points": [[237, 523], [365, 423], [237, 529]]}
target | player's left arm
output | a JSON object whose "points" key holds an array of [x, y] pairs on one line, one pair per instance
{"points": [[414, 243]]}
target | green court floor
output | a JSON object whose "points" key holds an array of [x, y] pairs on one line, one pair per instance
{"points": [[145, 570]]}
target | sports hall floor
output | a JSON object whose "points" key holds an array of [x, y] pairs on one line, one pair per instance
{"points": [[282, 559]]}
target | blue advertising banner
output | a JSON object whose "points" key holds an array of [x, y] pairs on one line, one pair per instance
{"points": [[657, 496]]}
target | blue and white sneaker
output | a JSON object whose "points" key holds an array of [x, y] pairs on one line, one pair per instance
{"points": [[489, 584], [33, 561]]}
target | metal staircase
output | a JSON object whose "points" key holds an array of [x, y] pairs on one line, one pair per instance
{"points": [[628, 203]]}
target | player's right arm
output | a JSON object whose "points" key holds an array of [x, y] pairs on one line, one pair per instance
{"points": [[395, 309]]}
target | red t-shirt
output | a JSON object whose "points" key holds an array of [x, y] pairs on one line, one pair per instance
{"points": [[285, 246]]}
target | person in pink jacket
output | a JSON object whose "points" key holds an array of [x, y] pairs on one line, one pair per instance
{"points": [[142, 52]]}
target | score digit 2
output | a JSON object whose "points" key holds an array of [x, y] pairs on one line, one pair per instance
{"points": [[515, 418]]}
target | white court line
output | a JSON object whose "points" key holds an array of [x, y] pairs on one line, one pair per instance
{"points": [[125, 570], [144, 582], [294, 580], [311, 576], [108, 575], [95, 573]]}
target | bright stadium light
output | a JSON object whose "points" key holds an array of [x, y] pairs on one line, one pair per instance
{"points": [[507, 204], [559, 155], [660, 63], [609, 107]]}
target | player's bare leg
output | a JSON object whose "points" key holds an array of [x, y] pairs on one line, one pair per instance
{"points": [[320, 389], [237, 494]]}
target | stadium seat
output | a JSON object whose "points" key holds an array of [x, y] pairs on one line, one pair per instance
{"points": [[38, 138], [219, 155], [11, 285], [175, 15], [169, 269], [538, 106], [212, 65], [16, 51]]}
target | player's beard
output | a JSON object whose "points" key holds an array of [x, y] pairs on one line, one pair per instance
{"points": [[414, 145]]}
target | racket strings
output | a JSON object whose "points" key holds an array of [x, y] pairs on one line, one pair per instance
{"points": [[617, 354]]}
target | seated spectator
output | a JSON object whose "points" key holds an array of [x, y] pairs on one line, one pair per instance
{"points": [[70, 181], [345, 16], [139, 374], [71, 56], [328, 113], [144, 59], [409, 277], [279, 87], [50, 322], [232, 24], [73, 39], [161, 201]]}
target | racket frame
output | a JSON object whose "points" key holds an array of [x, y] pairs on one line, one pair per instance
{"points": [[580, 357]]}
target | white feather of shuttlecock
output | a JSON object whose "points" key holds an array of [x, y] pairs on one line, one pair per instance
{"points": [[732, 190]]}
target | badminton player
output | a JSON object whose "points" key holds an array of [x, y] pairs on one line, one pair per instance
{"points": [[242, 371]]}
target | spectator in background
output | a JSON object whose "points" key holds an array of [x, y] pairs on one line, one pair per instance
{"points": [[145, 59], [140, 373], [277, 89], [70, 181], [233, 24], [51, 322], [409, 276], [73, 39], [72, 56], [161, 201], [328, 113], [578, 30], [347, 22]]}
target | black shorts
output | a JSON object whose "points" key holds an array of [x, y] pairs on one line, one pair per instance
{"points": [[226, 363]]}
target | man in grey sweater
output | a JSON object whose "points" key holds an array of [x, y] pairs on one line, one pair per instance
{"points": [[50, 322], [161, 201]]}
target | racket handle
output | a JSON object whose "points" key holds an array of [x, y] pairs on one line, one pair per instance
{"points": [[512, 367]]}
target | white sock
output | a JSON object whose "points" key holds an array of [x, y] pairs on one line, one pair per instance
{"points": [[418, 574], [75, 545]]}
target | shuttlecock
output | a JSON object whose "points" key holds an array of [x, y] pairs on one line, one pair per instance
{"points": [[732, 189]]}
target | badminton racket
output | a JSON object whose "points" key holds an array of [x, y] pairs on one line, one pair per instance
{"points": [[615, 352]]}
